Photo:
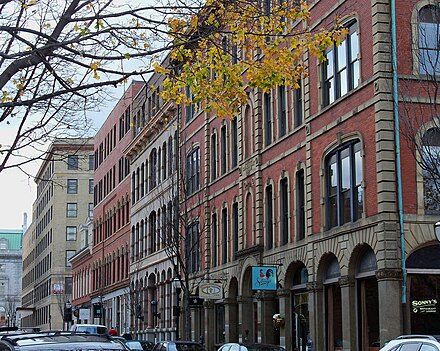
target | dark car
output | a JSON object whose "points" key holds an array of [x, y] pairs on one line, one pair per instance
{"points": [[59, 341], [250, 347], [178, 346]]}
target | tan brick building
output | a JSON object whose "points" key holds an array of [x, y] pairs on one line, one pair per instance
{"points": [[64, 199]]}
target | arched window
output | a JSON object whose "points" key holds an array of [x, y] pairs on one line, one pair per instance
{"points": [[344, 194], [429, 36], [153, 168], [431, 170]]}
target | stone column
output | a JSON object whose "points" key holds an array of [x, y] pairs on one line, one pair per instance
{"points": [[348, 302], [245, 312], [286, 312], [209, 334], [267, 308], [316, 315], [389, 282], [231, 320]]}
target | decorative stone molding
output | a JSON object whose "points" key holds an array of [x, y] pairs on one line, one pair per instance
{"points": [[244, 299], [389, 274], [346, 281], [283, 293], [314, 287], [230, 301], [265, 295]]}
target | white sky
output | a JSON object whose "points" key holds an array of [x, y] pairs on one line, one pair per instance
{"points": [[17, 190]]}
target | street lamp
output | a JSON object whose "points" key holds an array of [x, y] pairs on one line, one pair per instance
{"points": [[7, 319], [437, 230], [176, 312]]}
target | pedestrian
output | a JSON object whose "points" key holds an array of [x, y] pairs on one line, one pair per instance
{"points": [[113, 332]]}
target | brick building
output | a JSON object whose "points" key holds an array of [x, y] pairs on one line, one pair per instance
{"points": [[306, 186], [104, 270]]}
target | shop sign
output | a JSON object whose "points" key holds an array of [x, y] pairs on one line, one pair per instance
{"points": [[264, 278], [424, 306], [58, 288], [84, 314], [211, 291]]}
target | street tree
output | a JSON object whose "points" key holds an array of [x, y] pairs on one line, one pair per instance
{"points": [[58, 57]]}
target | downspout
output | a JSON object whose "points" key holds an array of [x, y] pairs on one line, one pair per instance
{"points": [[397, 137]]}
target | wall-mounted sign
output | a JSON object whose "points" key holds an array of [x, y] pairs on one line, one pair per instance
{"points": [[424, 306], [211, 291], [264, 278], [58, 288]]}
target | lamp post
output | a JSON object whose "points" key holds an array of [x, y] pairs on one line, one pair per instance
{"points": [[7, 319], [437, 231], [178, 287], [156, 315]]}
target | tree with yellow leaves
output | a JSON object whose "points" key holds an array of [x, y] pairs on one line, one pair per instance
{"points": [[229, 46]]}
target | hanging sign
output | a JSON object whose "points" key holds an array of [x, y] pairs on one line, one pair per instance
{"points": [[264, 278], [211, 291]]}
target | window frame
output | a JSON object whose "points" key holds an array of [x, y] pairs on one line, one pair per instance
{"points": [[71, 211], [332, 70], [354, 149], [72, 162], [193, 171], [72, 186], [70, 236]]}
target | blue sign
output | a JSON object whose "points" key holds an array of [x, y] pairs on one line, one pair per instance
{"points": [[264, 278]]}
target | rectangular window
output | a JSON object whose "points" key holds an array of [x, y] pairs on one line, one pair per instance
{"points": [[72, 186], [269, 217], [223, 150], [298, 106], [190, 109], [72, 209], [72, 162], [300, 205], [121, 127], [90, 210], [234, 136], [70, 233], [268, 118], [214, 239], [213, 157], [234, 230], [193, 235], [193, 171], [344, 194], [69, 255], [341, 68], [91, 162], [282, 110], [127, 119], [284, 211], [91, 186], [225, 236]]}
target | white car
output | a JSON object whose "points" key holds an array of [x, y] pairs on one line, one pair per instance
{"points": [[89, 328], [412, 343]]}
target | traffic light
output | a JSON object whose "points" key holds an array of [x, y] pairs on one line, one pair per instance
{"points": [[97, 310]]}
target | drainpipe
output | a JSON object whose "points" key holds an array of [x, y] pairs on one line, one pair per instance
{"points": [[397, 138]]}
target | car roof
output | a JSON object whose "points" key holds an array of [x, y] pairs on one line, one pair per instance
{"points": [[58, 337], [414, 339], [89, 325], [415, 336]]}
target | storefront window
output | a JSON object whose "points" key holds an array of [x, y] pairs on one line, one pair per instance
{"points": [[301, 338], [220, 324]]}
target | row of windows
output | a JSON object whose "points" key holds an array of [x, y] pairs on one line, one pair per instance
{"points": [[73, 162], [114, 220], [108, 183], [72, 186], [44, 200], [152, 234], [149, 108], [115, 269], [47, 175], [44, 222], [153, 171], [43, 243]]}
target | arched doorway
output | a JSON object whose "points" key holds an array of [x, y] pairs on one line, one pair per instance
{"points": [[367, 301], [300, 307], [333, 305]]}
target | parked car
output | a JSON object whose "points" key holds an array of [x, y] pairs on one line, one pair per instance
{"points": [[412, 343], [90, 328], [179, 345], [141, 345], [251, 346], [57, 341]]}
